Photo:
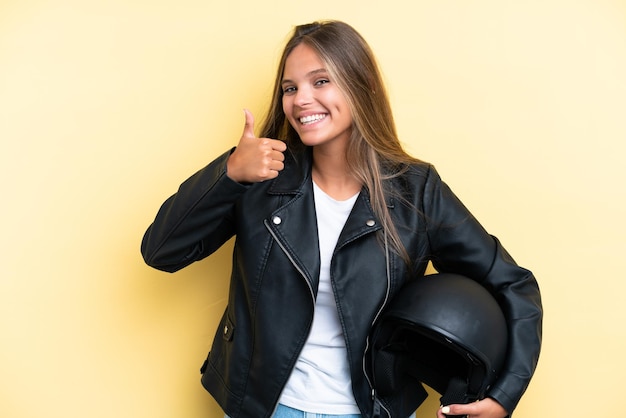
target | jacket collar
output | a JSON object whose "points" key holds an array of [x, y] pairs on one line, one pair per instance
{"points": [[295, 179], [296, 226], [297, 170]]}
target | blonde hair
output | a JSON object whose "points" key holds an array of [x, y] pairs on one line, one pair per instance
{"points": [[374, 151]]}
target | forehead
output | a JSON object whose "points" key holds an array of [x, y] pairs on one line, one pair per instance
{"points": [[302, 61]]}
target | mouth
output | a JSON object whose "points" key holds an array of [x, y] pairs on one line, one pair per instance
{"points": [[310, 119]]}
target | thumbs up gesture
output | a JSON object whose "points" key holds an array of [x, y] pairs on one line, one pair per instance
{"points": [[255, 159]]}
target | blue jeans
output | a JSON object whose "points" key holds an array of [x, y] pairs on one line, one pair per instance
{"points": [[286, 412]]}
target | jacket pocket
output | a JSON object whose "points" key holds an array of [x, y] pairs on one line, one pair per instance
{"points": [[228, 329], [226, 369], [223, 339], [220, 349]]}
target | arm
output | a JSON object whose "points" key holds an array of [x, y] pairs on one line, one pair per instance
{"points": [[199, 218], [461, 245], [195, 221]]}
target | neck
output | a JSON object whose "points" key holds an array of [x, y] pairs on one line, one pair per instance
{"points": [[330, 173]]}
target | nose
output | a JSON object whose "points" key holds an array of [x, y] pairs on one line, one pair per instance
{"points": [[304, 96]]}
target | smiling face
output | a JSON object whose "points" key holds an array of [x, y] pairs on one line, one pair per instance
{"points": [[312, 101]]}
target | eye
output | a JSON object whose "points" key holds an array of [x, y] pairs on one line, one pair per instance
{"points": [[289, 90], [322, 81]]}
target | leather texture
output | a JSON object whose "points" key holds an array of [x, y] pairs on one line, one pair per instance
{"points": [[275, 272]]}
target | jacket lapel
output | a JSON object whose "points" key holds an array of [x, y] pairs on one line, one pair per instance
{"points": [[361, 221], [294, 223]]}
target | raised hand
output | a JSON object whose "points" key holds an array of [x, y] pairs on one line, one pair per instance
{"points": [[255, 159]]}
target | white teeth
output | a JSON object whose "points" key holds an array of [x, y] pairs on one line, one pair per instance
{"points": [[311, 118]]}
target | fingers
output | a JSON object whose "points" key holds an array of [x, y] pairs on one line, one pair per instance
{"points": [[255, 159], [248, 127], [248, 132], [277, 145], [486, 408], [459, 410]]}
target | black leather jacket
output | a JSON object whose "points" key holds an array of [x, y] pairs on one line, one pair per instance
{"points": [[276, 267]]}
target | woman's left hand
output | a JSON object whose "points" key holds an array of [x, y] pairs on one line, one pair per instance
{"points": [[487, 408]]}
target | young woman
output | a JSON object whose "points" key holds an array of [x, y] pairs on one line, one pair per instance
{"points": [[331, 217]]}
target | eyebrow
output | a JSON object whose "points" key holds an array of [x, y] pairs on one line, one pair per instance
{"points": [[308, 75]]}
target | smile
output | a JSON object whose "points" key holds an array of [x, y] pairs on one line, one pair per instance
{"points": [[306, 120]]}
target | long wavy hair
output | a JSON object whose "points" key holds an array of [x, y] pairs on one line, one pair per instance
{"points": [[374, 151]]}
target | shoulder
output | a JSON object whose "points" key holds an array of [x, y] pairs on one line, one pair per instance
{"points": [[420, 169], [415, 174], [415, 184]]}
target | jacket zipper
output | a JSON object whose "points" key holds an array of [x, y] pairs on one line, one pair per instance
{"points": [[375, 402], [291, 259], [377, 405], [265, 222]]}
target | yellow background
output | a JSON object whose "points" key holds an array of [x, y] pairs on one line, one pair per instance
{"points": [[107, 105]]}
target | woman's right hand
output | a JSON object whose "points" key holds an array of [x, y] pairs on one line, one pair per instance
{"points": [[255, 159]]}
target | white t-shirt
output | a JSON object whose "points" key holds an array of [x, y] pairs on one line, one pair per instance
{"points": [[320, 382]]}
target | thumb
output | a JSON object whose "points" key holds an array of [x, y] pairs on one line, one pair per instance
{"points": [[248, 128]]}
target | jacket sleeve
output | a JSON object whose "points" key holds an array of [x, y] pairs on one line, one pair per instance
{"points": [[461, 245], [194, 222]]}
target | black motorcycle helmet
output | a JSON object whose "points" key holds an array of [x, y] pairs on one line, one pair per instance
{"points": [[444, 330]]}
